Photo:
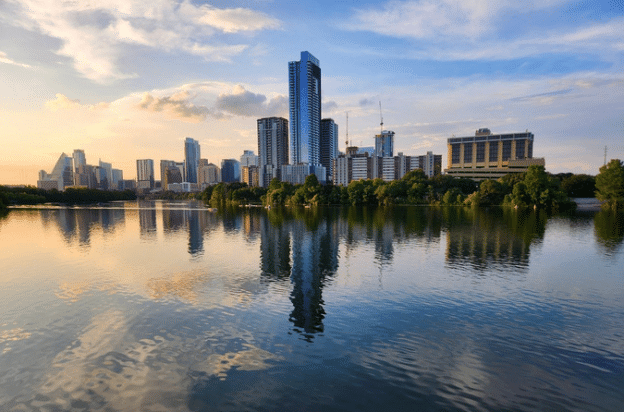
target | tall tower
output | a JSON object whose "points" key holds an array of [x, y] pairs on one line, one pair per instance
{"points": [[272, 148], [328, 145], [191, 159], [304, 84]]}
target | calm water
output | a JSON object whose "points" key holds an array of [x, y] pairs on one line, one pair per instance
{"points": [[157, 306]]}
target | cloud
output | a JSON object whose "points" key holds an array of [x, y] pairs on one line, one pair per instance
{"points": [[428, 19], [5, 59], [329, 106], [242, 102], [178, 105], [366, 102], [62, 102], [453, 30], [94, 34], [543, 98]]}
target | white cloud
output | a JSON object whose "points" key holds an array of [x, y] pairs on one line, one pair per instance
{"points": [[5, 59], [94, 34]]}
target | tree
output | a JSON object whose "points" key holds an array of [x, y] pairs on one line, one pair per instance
{"points": [[610, 184], [579, 185]]}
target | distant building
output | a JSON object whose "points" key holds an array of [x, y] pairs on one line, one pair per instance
{"points": [[490, 156], [248, 158], [230, 170], [249, 175], [296, 174], [117, 179], [328, 145], [145, 174], [272, 148], [62, 174], [209, 175], [191, 159], [79, 159], [354, 165], [430, 164]]}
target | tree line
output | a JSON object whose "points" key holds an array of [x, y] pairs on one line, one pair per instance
{"points": [[534, 188], [30, 195]]}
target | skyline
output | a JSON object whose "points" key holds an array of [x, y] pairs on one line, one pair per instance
{"points": [[126, 81]]}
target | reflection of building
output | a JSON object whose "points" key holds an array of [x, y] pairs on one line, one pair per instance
{"points": [[78, 224], [490, 156], [496, 247], [272, 148], [147, 217]]}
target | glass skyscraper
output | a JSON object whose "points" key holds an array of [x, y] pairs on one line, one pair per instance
{"points": [[191, 159], [304, 83]]}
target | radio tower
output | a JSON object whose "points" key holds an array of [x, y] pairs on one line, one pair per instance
{"points": [[347, 140]]}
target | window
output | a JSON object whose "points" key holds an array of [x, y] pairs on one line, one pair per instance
{"points": [[468, 153], [520, 149], [506, 150], [455, 153], [480, 152], [493, 151]]}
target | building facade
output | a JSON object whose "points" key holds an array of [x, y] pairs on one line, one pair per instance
{"points": [[272, 148], [230, 170], [145, 173], [304, 94], [328, 145], [191, 159], [490, 156]]}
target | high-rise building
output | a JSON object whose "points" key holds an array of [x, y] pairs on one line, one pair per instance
{"points": [[248, 158], [384, 144], [191, 159], [209, 174], [116, 183], [328, 145], [79, 159], [62, 174], [249, 175], [490, 156], [163, 172], [230, 170], [272, 148], [145, 173], [304, 93]]}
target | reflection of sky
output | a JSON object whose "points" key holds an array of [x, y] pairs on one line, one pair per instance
{"points": [[144, 323]]}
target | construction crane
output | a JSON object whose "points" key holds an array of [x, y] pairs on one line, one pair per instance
{"points": [[381, 118], [347, 139]]}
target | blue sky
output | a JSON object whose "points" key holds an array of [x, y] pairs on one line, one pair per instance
{"points": [[128, 79]]}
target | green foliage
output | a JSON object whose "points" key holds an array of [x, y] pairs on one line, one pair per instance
{"points": [[610, 184], [30, 195], [579, 185], [4, 200]]}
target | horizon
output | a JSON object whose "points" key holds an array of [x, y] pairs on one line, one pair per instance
{"points": [[126, 82]]}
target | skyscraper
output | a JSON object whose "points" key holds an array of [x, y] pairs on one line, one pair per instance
{"points": [[191, 159], [145, 173], [328, 145], [272, 148], [230, 170], [304, 85]]}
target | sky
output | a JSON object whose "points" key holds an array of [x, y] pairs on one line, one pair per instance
{"points": [[129, 79]]}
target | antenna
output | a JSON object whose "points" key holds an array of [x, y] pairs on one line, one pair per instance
{"points": [[605, 159], [381, 117]]}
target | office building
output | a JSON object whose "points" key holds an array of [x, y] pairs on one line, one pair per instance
{"points": [[304, 93], [249, 175], [296, 174], [354, 165], [117, 179], [430, 164], [272, 148], [248, 158], [62, 174], [384, 144], [79, 159], [490, 156], [328, 145], [209, 175], [145, 174], [230, 170], [191, 159]]}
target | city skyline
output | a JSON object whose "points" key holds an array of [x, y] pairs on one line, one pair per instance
{"points": [[128, 83]]}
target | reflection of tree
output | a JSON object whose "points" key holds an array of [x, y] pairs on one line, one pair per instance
{"points": [[494, 237], [609, 229]]}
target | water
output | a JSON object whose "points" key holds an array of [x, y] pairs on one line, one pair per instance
{"points": [[158, 306]]}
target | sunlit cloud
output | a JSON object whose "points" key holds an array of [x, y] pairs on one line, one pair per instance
{"points": [[95, 35]]}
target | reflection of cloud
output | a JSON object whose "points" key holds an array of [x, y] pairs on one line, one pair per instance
{"points": [[251, 359], [12, 335]]}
